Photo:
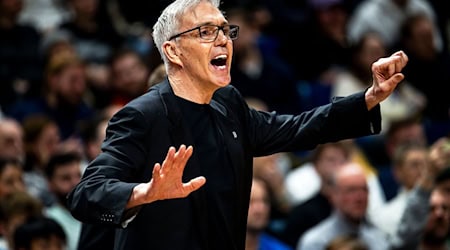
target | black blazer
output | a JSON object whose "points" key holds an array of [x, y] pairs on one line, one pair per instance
{"points": [[139, 135]]}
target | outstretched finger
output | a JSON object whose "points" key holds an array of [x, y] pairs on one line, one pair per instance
{"points": [[168, 161], [156, 172], [182, 156], [187, 154]]}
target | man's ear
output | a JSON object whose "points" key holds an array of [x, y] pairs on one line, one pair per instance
{"points": [[172, 53]]}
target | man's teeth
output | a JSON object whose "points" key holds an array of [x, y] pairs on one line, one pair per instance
{"points": [[221, 57]]}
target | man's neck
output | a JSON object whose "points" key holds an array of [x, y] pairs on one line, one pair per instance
{"points": [[193, 91]]}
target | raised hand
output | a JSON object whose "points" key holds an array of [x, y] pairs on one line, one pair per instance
{"points": [[166, 182], [386, 74]]}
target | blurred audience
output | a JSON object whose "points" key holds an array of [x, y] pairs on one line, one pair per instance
{"points": [[259, 73], [257, 237], [15, 209], [350, 199], [63, 172], [11, 139], [387, 16], [322, 47], [409, 161], [380, 149], [428, 71], [63, 99], [437, 227], [314, 178], [44, 15], [39, 233], [11, 177], [42, 140], [94, 35], [20, 62], [129, 76], [310, 189], [419, 217], [406, 100]]}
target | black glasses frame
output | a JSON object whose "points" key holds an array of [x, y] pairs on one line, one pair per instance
{"points": [[198, 28]]}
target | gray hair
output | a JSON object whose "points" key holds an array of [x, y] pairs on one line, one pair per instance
{"points": [[169, 21]]}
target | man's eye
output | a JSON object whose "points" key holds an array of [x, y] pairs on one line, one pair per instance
{"points": [[207, 31]]}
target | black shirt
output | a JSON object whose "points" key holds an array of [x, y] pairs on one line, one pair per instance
{"points": [[215, 166]]}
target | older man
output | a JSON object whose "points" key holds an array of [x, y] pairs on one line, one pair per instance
{"points": [[144, 180]]}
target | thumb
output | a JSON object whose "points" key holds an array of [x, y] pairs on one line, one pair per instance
{"points": [[194, 184], [398, 77], [394, 80]]}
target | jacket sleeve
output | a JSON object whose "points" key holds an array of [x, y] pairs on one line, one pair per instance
{"points": [[107, 183], [344, 118]]}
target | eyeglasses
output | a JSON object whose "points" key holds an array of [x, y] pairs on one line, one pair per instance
{"points": [[209, 33]]}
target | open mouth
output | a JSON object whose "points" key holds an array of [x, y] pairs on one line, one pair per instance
{"points": [[219, 61]]}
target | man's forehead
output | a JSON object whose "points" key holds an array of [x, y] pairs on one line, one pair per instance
{"points": [[204, 13]]}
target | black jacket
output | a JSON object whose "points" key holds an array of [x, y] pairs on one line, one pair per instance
{"points": [[139, 135]]}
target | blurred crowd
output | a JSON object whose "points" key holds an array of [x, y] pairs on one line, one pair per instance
{"points": [[66, 66]]}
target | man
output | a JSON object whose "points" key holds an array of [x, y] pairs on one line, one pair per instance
{"points": [[258, 220], [349, 217], [409, 162], [11, 139], [63, 172], [326, 159], [143, 182], [437, 226], [40, 233], [419, 225]]}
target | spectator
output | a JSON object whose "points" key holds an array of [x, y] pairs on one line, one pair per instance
{"points": [[63, 172], [409, 162], [326, 160], [15, 209], [324, 37], [413, 224], [129, 76], [257, 73], [20, 62], [42, 140], [64, 97], [380, 150], [406, 101], [315, 177], [350, 201], [270, 169], [387, 16], [427, 71], [257, 237], [94, 38], [11, 177], [39, 234], [11, 139], [437, 227], [44, 15]]}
